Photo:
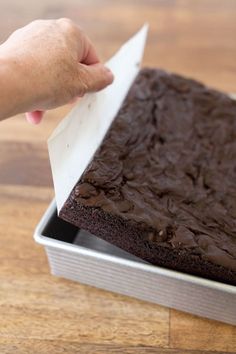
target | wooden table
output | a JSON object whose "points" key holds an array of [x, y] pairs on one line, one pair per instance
{"points": [[40, 313]]}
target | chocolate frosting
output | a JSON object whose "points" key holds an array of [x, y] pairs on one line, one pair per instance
{"points": [[168, 163]]}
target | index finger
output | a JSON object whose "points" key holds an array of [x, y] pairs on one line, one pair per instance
{"points": [[90, 56]]}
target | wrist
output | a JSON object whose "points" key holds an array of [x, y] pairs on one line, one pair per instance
{"points": [[14, 97]]}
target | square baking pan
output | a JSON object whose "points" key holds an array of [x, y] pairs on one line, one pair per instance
{"points": [[80, 256]]}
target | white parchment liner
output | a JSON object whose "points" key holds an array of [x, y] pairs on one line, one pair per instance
{"points": [[75, 140]]}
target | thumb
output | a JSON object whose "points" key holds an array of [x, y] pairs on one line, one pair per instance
{"points": [[94, 77]]}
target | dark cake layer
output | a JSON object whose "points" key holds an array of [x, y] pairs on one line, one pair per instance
{"points": [[162, 186]]}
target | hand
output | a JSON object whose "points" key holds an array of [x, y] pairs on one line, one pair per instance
{"points": [[56, 62]]}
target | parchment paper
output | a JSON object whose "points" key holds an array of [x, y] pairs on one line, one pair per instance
{"points": [[75, 140]]}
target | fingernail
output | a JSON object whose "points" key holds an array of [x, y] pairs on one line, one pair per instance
{"points": [[34, 117], [107, 69], [110, 73]]}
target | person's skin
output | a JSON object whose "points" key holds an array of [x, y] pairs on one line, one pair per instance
{"points": [[46, 64]]}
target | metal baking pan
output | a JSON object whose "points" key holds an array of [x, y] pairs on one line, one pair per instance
{"points": [[77, 255]]}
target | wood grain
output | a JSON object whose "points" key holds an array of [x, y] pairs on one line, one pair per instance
{"points": [[192, 332], [16, 159], [43, 314], [196, 38], [18, 346]]}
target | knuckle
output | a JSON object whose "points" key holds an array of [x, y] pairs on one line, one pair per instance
{"points": [[39, 20], [68, 26], [66, 22], [80, 30]]}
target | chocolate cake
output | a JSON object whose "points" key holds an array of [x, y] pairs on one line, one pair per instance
{"points": [[162, 186]]}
